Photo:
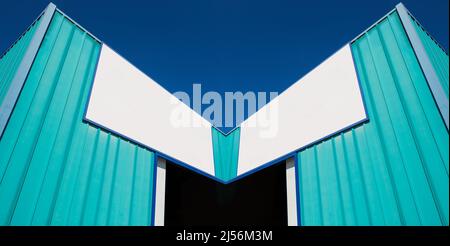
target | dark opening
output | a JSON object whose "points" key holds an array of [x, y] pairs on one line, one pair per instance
{"points": [[193, 199]]}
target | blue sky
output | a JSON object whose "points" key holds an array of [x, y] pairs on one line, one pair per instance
{"points": [[224, 45]]}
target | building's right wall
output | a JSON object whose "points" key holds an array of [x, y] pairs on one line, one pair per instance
{"points": [[392, 170]]}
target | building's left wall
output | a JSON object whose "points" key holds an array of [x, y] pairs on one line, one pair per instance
{"points": [[54, 168], [11, 59]]}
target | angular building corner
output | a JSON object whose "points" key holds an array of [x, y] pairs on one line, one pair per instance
{"points": [[57, 168], [54, 168], [392, 170]]}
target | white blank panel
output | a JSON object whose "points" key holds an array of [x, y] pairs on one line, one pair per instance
{"points": [[126, 101], [323, 102]]}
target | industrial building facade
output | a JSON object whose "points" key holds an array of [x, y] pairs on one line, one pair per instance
{"points": [[85, 137]]}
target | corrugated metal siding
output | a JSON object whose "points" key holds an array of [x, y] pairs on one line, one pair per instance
{"points": [[10, 61], [57, 170], [226, 151], [392, 170], [439, 59]]}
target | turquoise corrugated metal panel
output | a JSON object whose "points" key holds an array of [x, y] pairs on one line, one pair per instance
{"points": [[438, 57], [10, 61], [226, 152], [392, 170], [54, 168]]}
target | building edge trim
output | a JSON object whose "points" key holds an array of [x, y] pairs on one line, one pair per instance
{"points": [[425, 63], [154, 190], [22, 34], [8, 104]]}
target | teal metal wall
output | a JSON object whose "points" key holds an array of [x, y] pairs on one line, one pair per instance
{"points": [[392, 170], [226, 153], [10, 61], [57, 170]]}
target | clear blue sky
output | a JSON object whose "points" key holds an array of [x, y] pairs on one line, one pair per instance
{"points": [[225, 45]]}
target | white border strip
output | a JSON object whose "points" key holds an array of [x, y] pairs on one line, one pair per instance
{"points": [[291, 192], [160, 189]]}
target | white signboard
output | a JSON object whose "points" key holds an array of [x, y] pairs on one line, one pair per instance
{"points": [[126, 101], [325, 101]]}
